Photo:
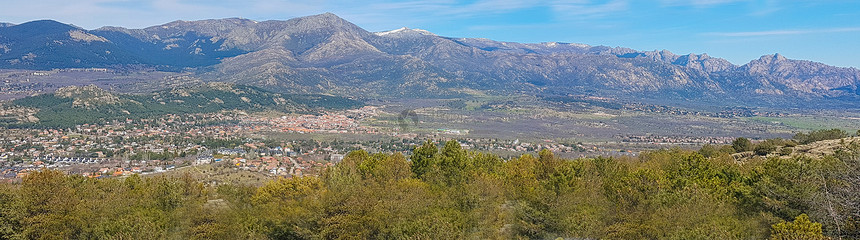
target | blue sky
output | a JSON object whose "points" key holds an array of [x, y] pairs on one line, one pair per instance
{"points": [[826, 31]]}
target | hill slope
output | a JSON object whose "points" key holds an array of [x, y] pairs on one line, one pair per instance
{"points": [[70, 106]]}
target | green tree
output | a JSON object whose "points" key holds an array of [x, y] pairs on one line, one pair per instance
{"points": [[765, 147], [819, 135], [742, 144], [424, 158], [787, 187], [48, 207], [291, 208], [801, 228], [9, 224], [453, 162], [709, 150]]}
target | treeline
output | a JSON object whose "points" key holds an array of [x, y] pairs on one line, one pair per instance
{"points": [[819, 135], [452, 193], [779, 146], [50, 205]]}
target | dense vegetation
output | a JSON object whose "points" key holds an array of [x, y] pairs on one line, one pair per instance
{"points": [[89, 105], [452, 193], [818, 135]]}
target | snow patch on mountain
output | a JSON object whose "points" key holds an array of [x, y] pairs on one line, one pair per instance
{"points": [[405, 30]]}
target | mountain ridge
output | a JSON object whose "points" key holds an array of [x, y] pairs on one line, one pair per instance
{"points": [[327, 54]]}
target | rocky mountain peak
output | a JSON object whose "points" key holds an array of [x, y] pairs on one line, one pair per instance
{"points": [[405, 31], [663, 55], [81, 91], [773, 63], [78, 35], [770, 59], [778, 57], [325, 20], [87, 96], [704, 62], [207, 27], [327, 16]]}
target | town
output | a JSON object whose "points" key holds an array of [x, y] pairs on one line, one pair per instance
{"points": [[233, 138]]}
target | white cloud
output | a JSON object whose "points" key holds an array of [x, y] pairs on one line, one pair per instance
{"points": [[698, 3], [783, 32], [753, 7], [585, 9]]}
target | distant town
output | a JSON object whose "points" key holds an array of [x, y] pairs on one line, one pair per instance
{"points": [[234, 139]]}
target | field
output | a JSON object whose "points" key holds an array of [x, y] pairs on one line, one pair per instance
{"points": [[217, 174], [536, 120], [844, 120]]}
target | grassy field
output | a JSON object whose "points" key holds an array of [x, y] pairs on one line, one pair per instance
{"points": [[801, 122], [515, 117]]}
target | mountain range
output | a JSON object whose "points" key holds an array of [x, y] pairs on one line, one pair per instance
{"points": [[327, 54]]}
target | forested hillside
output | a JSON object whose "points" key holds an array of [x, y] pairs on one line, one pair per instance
{"points": [[70, 106], [452, 193]]}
